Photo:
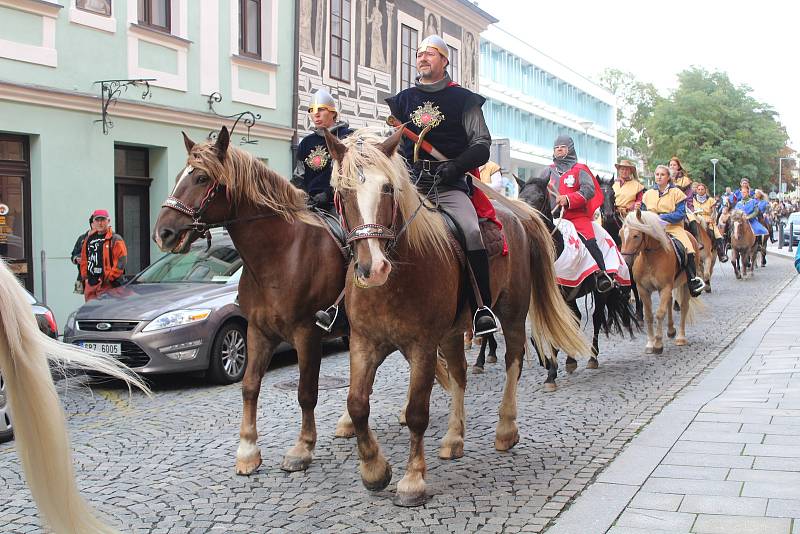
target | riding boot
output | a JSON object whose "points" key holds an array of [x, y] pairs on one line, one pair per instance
{"points": [[696, 284], [696, 233], [484, 320], [603, 281], [721, 252]]}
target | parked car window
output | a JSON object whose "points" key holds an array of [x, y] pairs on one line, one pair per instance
{"points": [[217, 265]]}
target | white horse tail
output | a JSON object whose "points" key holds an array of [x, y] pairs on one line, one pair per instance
{"points": [[695, 306], [39, 422]]}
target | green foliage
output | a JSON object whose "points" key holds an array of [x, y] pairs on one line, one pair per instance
{"points": [[709, 117], [635, 104]]}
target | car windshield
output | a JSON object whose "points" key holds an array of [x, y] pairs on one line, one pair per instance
{"points": [[219, 264]]}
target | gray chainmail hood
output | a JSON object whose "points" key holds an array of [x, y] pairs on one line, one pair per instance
{"points": [[564, 164]]}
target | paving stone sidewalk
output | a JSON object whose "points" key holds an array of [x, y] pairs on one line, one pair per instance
{"points": [[724, 457]]}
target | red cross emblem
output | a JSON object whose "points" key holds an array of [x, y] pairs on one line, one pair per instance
{"points": [[574, 242]]}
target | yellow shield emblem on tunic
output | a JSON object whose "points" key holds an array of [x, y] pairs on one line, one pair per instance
{"points": [[318, 158], [427, 115]]}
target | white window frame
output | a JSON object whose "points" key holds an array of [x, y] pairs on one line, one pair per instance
{"points": [[44, 53], [456, 43], [404, 19], [92, 20], [268, 63], [326, 71]]}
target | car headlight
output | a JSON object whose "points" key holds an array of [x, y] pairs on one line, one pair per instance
{"points": [[70, 322], [177, 318]]}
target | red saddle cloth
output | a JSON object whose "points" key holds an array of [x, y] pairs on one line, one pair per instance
{"points": [[485, 210]]}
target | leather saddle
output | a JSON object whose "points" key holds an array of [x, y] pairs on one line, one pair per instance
{"points": [[491, 234], [680, 253], [335, 229]]}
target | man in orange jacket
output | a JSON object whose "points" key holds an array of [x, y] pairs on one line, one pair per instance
{"points": [[103, 257]]}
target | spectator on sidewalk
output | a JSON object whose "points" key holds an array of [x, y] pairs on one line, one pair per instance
{"points": [[103, 257], [76, 257]]}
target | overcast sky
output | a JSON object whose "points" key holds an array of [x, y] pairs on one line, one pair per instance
{"points": [[756, 43]]}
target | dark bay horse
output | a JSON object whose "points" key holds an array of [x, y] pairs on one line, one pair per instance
{"points": [[611, 313], [404, 292], [293, 268]]}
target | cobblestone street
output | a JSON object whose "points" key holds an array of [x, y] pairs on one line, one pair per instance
{"points": [[165, 464]]}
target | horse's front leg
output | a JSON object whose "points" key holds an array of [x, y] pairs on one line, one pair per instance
{"points": [[647, 311], [309, 354], [376, 473], [571, 364], [664, 305], [411, 489], [598, 315], [453, 443], [507, 433], [259, 354]]}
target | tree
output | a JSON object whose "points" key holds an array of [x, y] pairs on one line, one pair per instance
{"points": [[709, 117], [635, 103]]}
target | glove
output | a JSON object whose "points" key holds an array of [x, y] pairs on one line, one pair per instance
{"points": [[448, 172]]}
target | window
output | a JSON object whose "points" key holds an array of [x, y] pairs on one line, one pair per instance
{"points": [[155, 13], [409, 37], [99, 7], [250, 28], [340, 40], [455, 71]]}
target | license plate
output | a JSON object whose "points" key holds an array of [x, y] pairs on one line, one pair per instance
{"points": [[112, 349]]}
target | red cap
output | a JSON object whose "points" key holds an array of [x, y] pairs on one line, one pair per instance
{"points": [[101, 213]]}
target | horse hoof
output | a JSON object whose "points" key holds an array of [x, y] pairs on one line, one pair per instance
{"points": [[381, 483], [658, 350], [491, 359], [506, 443], [402, 419], [476, 370], [648, 350], [453, 451], [291, 464], [570, 367], [593, 364], [707, 289], [550, 387], [248, 467], [681, 341], [345, 431], [411, 500], [671, 333]]}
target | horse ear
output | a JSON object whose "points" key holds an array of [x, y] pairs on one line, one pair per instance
{"points": [[520, 182], [187, 142], [335, 147], [389, 146], [223, 140]]}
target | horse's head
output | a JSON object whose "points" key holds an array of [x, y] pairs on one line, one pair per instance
{"points": [[198, 196], [364, 179], [609, 207], [639, 229], [534, 193]]}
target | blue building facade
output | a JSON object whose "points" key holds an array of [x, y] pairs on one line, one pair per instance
{"points": [[532, 99]]}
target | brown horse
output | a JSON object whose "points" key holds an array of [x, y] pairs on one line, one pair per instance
{"points": [[413, 302], [707, 256], [743, 244], [656, 270], [293, 267]]}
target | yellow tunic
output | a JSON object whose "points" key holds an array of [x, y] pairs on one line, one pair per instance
{"points": [[705, 211], [625, 195], [667, 203]]}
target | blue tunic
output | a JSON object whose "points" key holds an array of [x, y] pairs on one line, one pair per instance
{"points": [[749, 206]]}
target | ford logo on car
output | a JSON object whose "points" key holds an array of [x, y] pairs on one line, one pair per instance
{"points": [[103, 326]]}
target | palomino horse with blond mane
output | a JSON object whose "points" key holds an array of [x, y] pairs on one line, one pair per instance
{"points": [[404, 292], [656, 270], [293, 267], [40, 428], [744, 243]]}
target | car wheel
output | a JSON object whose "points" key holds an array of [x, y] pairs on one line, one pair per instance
{"points": [[6, 430], [228, 354]]}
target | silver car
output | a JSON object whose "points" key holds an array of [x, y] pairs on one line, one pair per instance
{"points": [[178, 315]]}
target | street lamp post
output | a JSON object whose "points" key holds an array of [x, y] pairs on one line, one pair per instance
{"points": [[586, 125], [780, 175], [714, 162]]}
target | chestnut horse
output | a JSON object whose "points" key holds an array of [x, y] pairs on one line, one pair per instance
{"points": [[404, 292], [40, 429], [656, 270], [293, 268], [744, 245], [708, 255]]}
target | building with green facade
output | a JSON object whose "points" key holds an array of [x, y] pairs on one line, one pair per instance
{"points": [[61, 157]]}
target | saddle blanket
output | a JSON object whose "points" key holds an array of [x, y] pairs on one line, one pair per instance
{"points": [[575, 263]]}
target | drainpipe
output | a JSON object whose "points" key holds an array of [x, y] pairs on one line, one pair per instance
{"points": [[295, 85]]}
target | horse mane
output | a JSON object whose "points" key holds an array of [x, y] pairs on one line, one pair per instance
{"points": [[650, 224], [426, 229], [248, 179], [738, 215]]}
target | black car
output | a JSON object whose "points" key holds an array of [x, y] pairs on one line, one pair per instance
{"points": [[47, 324]]}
